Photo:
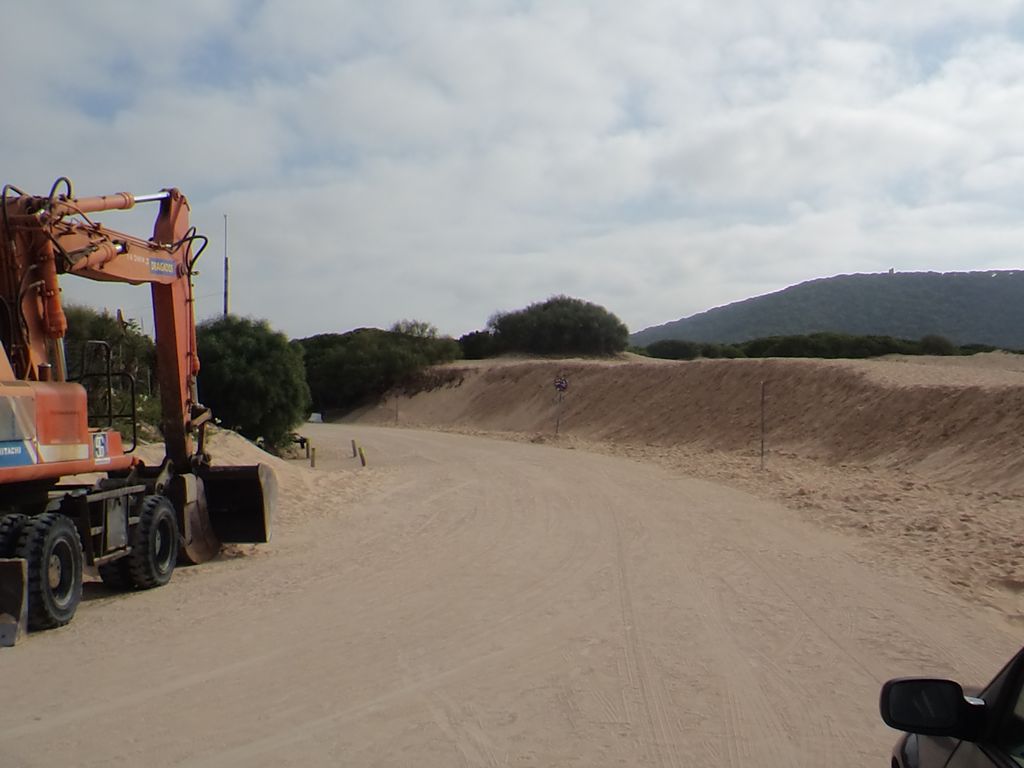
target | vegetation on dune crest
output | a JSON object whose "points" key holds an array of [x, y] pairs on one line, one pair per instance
{"points": [[347, 370], [262, 385], [677, 349], [252, 378], [559, 326], [351, 369], [478, 345], [816, 345]]}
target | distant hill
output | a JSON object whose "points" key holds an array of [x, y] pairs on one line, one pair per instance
{"points": [[965, 307]]}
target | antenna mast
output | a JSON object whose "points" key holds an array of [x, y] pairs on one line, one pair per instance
{"points": [[226, 268]]}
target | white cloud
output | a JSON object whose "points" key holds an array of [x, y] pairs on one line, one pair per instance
{"points": [[446, 159]]}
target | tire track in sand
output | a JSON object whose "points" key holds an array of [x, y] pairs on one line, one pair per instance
{"points": [[661, 738]]}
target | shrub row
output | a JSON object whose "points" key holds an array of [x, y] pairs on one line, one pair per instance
{"points": [[819, 345]]}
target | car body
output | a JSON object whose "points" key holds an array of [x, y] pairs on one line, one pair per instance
{"points": [[944, 728]]}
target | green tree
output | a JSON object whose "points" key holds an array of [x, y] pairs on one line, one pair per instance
{"points": [[131, 350], [674, 349], [252, 378], [427, 341], [347, 370], [477, 345], [416, 328], [933, 344], [561, 325]]}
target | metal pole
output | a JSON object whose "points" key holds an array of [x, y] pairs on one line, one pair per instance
{"points": [[225, 264], [558, 418]]}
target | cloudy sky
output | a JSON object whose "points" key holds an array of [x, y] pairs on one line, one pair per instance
{"points": [[446, 159]]}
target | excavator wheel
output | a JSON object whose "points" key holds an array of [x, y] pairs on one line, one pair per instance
{"points": [[50, 544], [10, 530], [154, 544], [115, 575]]}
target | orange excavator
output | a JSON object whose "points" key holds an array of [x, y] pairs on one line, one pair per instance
{"points": [[73, 496]]}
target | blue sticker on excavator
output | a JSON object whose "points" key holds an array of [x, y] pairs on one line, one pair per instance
{"points": [[161, 266], [14, 454]]}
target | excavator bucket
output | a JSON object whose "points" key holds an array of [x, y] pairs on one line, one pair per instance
{"points": [[241, 502], [13, 600]]}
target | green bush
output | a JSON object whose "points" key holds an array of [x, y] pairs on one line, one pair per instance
{"points": [[732, 351], [815, 345], [350, 369], [252, 378], [674, 349], [478, 345], [131, 350], [933, 344], [973, 349], [559, 326], [710, 350], [827, 345]]}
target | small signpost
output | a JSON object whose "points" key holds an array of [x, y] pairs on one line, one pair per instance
{"points": [[561, 387]]}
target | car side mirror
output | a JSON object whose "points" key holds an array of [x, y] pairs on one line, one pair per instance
{"points": [[931, 707]]}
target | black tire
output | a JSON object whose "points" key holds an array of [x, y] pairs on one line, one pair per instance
{"points": [[154, 543], [50, 544], [115, 575], [10, 532]]}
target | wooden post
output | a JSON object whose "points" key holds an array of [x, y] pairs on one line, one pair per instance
{"points": [[362, 456], [355, 451], [312, 457], [308, 445], [762, 425]]}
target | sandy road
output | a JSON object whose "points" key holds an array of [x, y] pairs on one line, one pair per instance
{"points": [[488, 603]]}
